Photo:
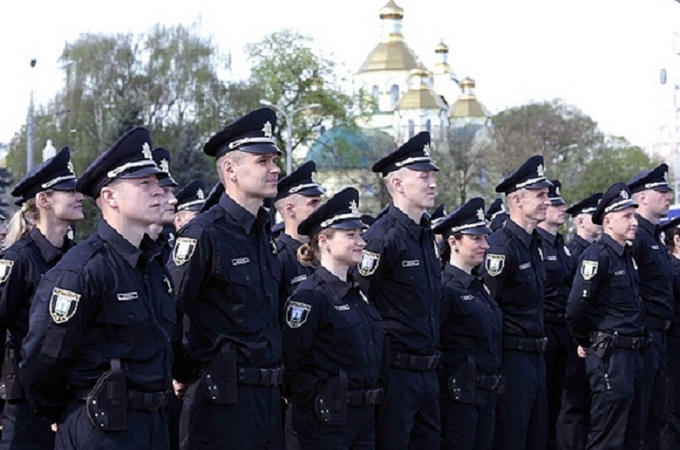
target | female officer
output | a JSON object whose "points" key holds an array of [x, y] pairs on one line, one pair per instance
{"points": [[332, 339], [471, 326], [35, 242]]}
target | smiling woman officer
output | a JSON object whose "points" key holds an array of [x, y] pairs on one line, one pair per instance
{"points": [[48, 196], [332, 339]]}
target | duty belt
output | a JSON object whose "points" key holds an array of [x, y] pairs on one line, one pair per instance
{"points": [[487, 382], [260, 377], [525, 344], [137, 400], [555, 317], [364, 398], [617, 341], [405, 361], [658, 324]]}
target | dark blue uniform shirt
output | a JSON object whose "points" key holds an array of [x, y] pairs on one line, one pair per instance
{"points": [[26, 261], [335, 329], [471, 322], [292, 271], [105, 299], [558, 270], [652, 258], [576, 247], [519, 285], [604, 294], [227, 282], [404, 281]]}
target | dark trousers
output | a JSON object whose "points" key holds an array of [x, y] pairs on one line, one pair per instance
{"points": [[357, 433], [145, 431], [573, 422], [556, 366], [614, 378], [522, 402], [468, 425], [174, 413], [23, 430], [409, 413], [253, 423], [670, 433]]}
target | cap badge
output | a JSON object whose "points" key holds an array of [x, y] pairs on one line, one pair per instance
{"points": [[267, 129], [164, 166], [70, 167], [540, 170], [665, 176], [146, 151], [353, 208], [200, 194], [313, 177], [557, 190], [480, 214], [426, 149], [624, 194]]}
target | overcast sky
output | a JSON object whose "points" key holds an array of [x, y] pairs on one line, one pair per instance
{"points": [[603, 56]]}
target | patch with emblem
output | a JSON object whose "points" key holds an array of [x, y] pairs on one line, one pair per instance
{"points": [[410, 263], [184, 250], [127, 296], [63, 304], [5, 269], [297, 313], [297, 279], [240, 261], [344, 307], [588, 269], [494, 264], [369, 263]]}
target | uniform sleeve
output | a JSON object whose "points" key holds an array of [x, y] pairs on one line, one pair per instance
{"points": [[64, 304], [190, 265], [373, 266], [13, 287], [587, 278], [498, 267], [303, 313]]}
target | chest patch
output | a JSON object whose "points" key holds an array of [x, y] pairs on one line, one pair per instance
{"points": [[298, 279], [526, 265], [467, 298], [240, 261], [551, 258], [127, 296], [410, 263], [63, 304], [344, 307], [5, 269], [297, 313]]}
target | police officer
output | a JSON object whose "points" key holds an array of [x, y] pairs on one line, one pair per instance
{"points": [[402, 275], [653, 193], [332, 337], [48, 194], [3, 230], [216, 192], [496, 215], [227, 281], [574, 418], [606, 318], [670, 433], [298, 196], [164, 231], [557, 263], [97, 357], [436, 217], [190, 200], [471, 328], [513, 271]]}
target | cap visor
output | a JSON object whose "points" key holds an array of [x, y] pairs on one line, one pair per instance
{"points": [[311, 192], [628, 204], [544, 183], [68, 185], [260, 149], [665, 188], [349, 224], [141, 172], [556, 201], [477, 230], [167, 181], [423, 166]]}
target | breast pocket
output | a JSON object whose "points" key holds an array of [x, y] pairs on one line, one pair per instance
{"points": [[126, 321], [470, 307]]}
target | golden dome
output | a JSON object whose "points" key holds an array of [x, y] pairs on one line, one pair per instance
{"points": [[420, 95], [467, 83], [467, 104], [392, 55], [391, 11], [441, 47]]}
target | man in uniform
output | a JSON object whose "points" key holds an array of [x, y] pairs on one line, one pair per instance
{"points": [[496, 215], [606, 318], [653, 193], [163, 231], [298, 195], [513, 271], [190, 200], [227, 283], [97, 357], [401, 273], [574, 418], [557, 263]]}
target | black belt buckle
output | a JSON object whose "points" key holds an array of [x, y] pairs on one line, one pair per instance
{"points": [[432, 362], [542, 344], [373, 396], [271, 377]]}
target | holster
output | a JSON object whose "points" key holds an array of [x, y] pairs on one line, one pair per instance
{"points": [[220, 378], [106, 404], [462, 382], [330, 405], [10, 388]]}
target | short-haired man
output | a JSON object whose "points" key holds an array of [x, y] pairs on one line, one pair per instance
{"points": [[190, 200], [402, 276], [227, 283], [605, 316], [513, 271]]}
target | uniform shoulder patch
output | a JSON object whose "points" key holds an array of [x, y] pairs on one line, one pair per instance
{"points": [[297, 313], [369, 263], [183, 250], [588, 269], [63, 304], [494, 264], [5, 269]]}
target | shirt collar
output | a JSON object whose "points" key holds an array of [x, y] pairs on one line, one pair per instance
{"points": [[412, 227], [618, 248], [242, 216], [48, 251], [335, 284], [289, 241], [520, 232], [654, 230], [119, 244], [460, 275]]}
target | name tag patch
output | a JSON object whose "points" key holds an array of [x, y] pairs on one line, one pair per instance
{"points": [[344, 307], [410, 263], [297, 279], [551, 258], [467, 298], [240, 261], [127, 296], [524, 266], [618, 273]]}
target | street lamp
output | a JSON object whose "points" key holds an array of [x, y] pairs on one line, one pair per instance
{"points": [[30, 128], [289, 114]]}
